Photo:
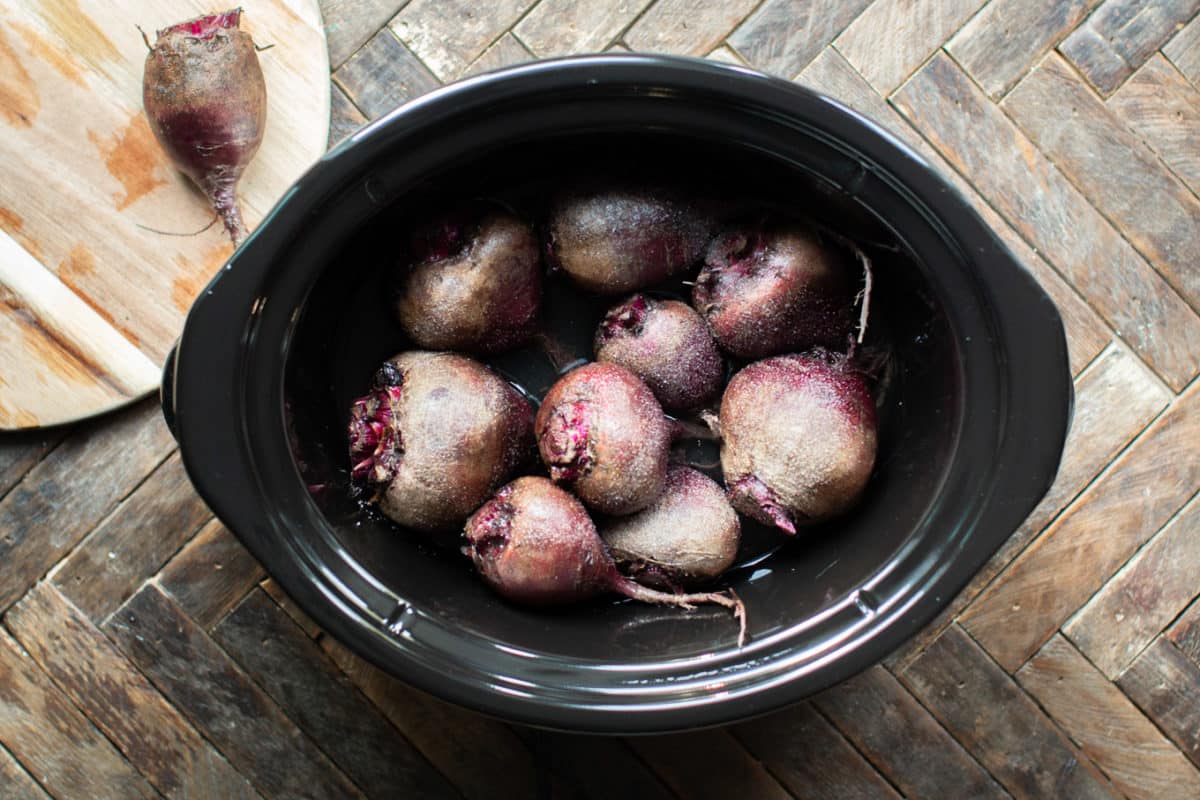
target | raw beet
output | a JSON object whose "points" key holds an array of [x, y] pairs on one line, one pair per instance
{"points": [[601, 432], [435, 436], [535, 544], [689, 535], [798, 438], [622, 239], [206, 101], [667, 345], [774, 287], [475, 282]]}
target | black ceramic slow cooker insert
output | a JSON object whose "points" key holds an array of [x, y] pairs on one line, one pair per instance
{"points": [[974, 415]]}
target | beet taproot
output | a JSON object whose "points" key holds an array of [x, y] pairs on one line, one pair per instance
{"points": [[773, 287], [206, 101], [688, 535], [666, 344], [474, 282], [436, 435], [602, 433], [621, 239], [535, 544], [798, 438]]}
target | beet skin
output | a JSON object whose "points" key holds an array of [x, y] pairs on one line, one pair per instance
{"points": [[667, 345], [798, 438], [435, 437], [774, 287], [601, 433], [623, 239], [689, 535], [475, 282]]}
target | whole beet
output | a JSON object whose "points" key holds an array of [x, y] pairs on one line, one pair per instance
{"points": [[667, 345], [435, 437], [689, 535], [475, 283], [206, 101], [773, 287], [601, 432], [535, 544], [798, 438], [618, 240]]}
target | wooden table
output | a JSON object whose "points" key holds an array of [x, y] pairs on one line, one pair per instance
{"points": [[145, 653]]}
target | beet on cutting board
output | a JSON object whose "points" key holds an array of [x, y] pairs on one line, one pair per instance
{"points": [[90, 303]]}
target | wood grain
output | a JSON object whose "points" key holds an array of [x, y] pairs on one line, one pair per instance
{"points": [[90, 670], [1185, 632], [21, 450], [64, 496], [1184, 51], [889, 40], [1052, 215], [57, 383], [989, 723], [484, 755], [1120, 35], [810, 758], [1086, 332], [383, 75], [687, 27], [72, 362], [1166, 685], [1000, 43], [1146, 485], [344, 117], [902, 740], [783, 36], [1118, 173], [311, 691], [447, 35], [1115, 398], [349, 24], [17, 783], [199, 679], [71, 759], [707, 764], [991, 717], [727, 55], [1110, 730], [117, 557], [1164, 109], [273, 590], [506, 52], [566, 27], [1142, 599], [210, 574], [109, 296]]}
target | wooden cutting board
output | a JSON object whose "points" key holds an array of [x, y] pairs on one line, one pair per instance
{"points": [[90, 300]]}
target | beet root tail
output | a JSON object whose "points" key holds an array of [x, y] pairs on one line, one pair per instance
{"points": [[223, 197], [727, 599]]}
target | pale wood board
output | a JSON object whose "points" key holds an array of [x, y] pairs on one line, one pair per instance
{"points": [[90, 301]]}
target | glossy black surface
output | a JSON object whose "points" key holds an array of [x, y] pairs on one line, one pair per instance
{"points": [[973, 416]]}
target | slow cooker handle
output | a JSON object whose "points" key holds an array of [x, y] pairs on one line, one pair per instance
{"points": [[166, 394]]}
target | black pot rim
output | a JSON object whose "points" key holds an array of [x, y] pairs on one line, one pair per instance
{"points": [[224, 381]]}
